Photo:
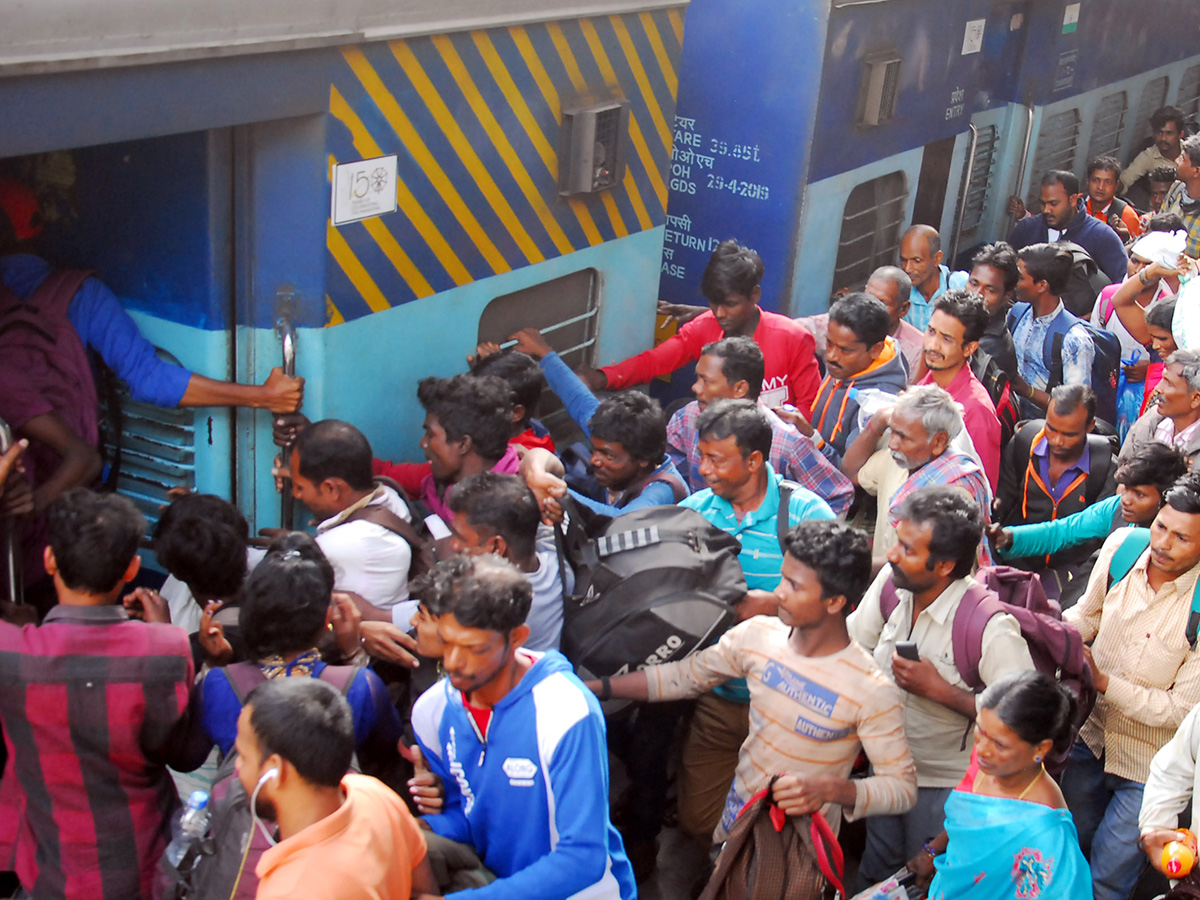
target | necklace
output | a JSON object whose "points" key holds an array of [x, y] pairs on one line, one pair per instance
{"points": [[1029, 787]]}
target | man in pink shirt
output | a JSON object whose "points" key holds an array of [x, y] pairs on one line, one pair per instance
{"points": [[731, 286], [958, 321]]}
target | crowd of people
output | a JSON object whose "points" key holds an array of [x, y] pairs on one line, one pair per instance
{"points": [[381, 708]]}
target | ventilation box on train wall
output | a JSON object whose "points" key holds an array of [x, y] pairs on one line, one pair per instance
{"points": [[591, 150]]}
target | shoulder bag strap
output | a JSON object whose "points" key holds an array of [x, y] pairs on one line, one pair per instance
{"points": [[975, 610]]}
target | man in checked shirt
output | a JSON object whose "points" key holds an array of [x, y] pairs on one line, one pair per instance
{"points": [[1148, 677]]}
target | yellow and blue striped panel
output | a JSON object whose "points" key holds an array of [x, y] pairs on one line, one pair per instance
{"points": [[475, 120]]}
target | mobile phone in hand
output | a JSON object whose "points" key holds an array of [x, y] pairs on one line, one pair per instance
{"points": [[907, 650]]}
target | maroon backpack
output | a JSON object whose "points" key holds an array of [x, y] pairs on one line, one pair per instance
{"points": [[44, 358], [1054, 645]]}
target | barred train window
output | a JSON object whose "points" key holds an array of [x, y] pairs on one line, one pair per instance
{"points": [[981, 178], [1108, 125], [1154, 96], [1056, 143], [564, 310], [1189, 92], [871, 226]]}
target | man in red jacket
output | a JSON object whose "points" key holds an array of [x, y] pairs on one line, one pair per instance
{"points": [[731, 286]]}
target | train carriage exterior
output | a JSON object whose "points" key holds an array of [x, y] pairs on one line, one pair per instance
{"points": [[187, 154]]}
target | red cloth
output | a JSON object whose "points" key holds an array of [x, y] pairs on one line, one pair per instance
{"points": [[789, 354], [529, 440], [979, 416], [89, 702], [1153, 377], [408, 475]]}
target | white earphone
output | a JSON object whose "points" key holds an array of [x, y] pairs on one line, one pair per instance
{"points": [[266, 776]]}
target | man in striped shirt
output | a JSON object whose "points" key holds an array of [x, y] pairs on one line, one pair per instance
{"points": [[1148, 675], [90, 702], [744, 498], [816, 697]]}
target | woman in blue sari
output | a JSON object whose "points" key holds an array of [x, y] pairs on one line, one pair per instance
{"points": [[1008, 833]]}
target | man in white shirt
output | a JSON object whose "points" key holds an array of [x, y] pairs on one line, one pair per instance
{"points": [[331, 475], [937, 538]]}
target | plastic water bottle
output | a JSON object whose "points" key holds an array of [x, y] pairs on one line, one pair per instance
{"points": [[1179, 857], [189, 828]]}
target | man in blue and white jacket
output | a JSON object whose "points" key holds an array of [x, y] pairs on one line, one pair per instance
{"points": [[519, 744]]}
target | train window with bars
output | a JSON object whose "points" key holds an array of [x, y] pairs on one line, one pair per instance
{"points": [[981, 178], [150, 448], [1188, 99], [871, 223], [1056, 143], [1153, 97], [564, 310], [1108, 125]]}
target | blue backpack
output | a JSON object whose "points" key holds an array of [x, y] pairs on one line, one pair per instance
{"points": [[1106, 361]]}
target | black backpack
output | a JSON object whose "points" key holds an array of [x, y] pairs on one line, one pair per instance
{"points": [[1085, 283], [652, 586], [995, 380], [221, 867]]}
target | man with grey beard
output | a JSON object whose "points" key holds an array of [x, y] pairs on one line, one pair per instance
{"points": [[925, 444]]}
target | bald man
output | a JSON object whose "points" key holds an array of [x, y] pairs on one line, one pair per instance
{"points": [[921, 260]]}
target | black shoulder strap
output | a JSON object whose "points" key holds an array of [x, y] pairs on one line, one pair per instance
{"points": [[783, 519], [1100, 451], [1056, 363], [1118, 207]]}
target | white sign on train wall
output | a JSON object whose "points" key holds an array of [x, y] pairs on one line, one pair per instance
{"points": [[973, 38], [363, 189]]}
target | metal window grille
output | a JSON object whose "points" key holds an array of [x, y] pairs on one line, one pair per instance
{"points": [[1056, 143], [981, 178], [1188, 99], [1153, 98], [565, 311], [1108, 125], [871, 222], [156, 447], [880, 87]]}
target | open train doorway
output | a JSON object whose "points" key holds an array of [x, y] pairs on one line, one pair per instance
{"points": [[152, 219]]}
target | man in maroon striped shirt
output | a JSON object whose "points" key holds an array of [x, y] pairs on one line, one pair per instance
{"points": [[90, 702]]}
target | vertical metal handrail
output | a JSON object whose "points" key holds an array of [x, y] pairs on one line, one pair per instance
{"points": [[287, 335], [963, 193], [8, 529], [1024, 162]]}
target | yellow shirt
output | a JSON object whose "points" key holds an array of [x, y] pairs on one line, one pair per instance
{"points": [[1141, 644], [940, 738]]}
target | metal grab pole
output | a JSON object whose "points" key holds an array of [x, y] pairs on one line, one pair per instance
{"points": [[1024, 162], [287, 334], [963, 193], [12, 553]]}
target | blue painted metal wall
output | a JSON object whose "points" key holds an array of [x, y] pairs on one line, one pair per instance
{"points": [[743, 125]]}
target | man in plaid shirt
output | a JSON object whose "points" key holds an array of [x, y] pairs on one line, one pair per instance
{"points": [[89, 702], [732, 369]]}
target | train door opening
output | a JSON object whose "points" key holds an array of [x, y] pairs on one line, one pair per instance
{"points": [[152, 219], [930, 202]]}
